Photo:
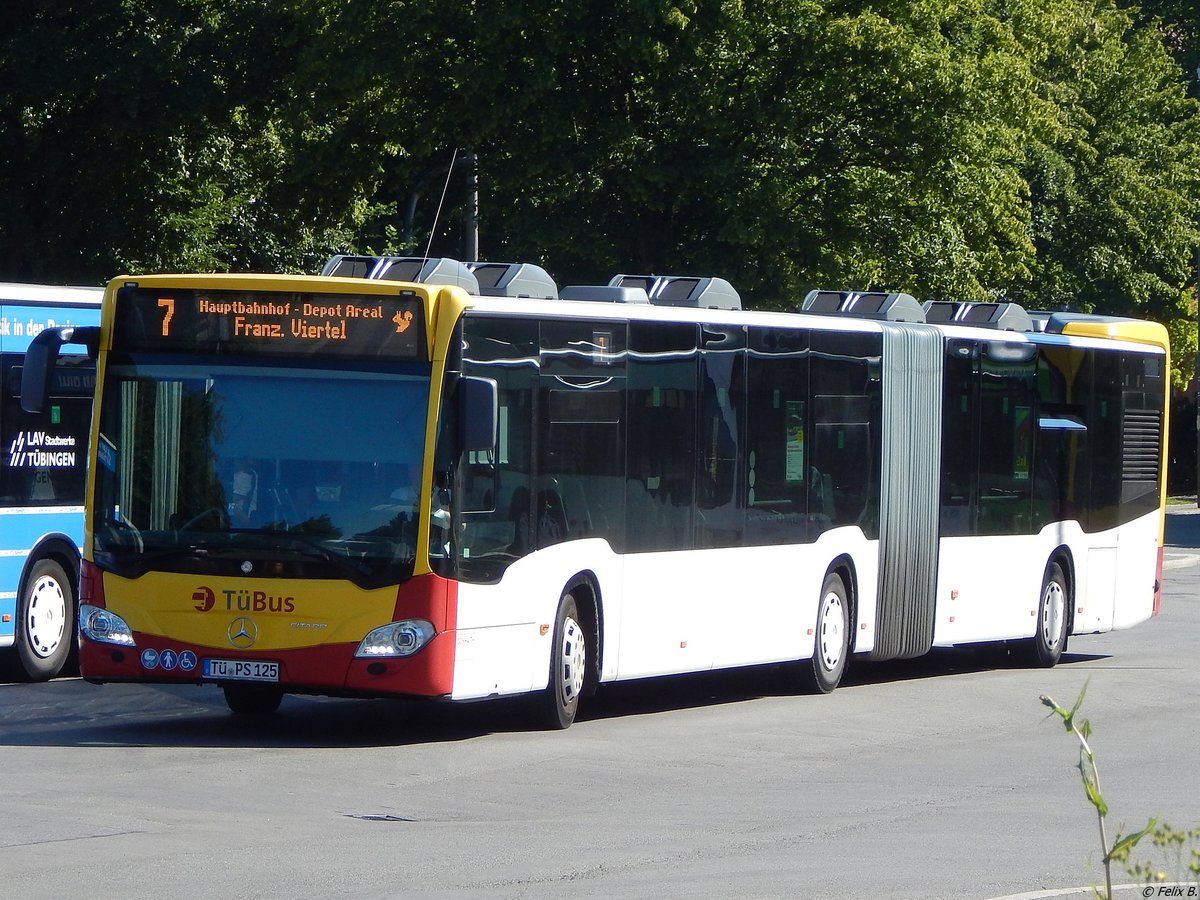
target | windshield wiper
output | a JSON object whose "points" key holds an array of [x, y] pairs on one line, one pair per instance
{"points": [[143, 556], [167, 552], [134, 561], [268, 545]]}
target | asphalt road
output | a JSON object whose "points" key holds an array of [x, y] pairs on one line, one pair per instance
{"points": [[940, 777]]}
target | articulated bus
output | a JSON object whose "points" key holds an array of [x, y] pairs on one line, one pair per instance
{"points": [[43, 478], [457, 481]]}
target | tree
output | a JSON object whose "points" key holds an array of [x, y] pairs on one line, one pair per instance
{"points": [[1178, 21], [92, 108], [957, 149], [140, 135], [782, 143], [1115, 186]]}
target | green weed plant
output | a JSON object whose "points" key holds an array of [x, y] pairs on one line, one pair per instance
{"points": [[1180, 850]]}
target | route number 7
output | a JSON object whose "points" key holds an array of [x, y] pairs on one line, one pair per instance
{"points": [[169, 305]]}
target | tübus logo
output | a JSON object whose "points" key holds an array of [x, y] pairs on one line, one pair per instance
{"points": [[242, 600], [204, 598]]}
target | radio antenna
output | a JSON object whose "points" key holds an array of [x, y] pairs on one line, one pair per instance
{"points": [[438, 214]]}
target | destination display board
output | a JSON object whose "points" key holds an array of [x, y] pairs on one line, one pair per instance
{"points": [[370, 326]]}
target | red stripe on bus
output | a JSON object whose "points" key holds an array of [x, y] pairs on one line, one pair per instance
{"points": [[1158, 570], [329, 668]]}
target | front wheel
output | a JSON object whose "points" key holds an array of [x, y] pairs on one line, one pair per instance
{"points": [[568, 667], [824, 671], [1046, 646], [252, 699], [45, 621]]}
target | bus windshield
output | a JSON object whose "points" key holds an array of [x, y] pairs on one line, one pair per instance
{"points": [[289, 469]]}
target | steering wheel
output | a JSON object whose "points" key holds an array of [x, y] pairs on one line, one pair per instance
{"points": [[214, 511]]}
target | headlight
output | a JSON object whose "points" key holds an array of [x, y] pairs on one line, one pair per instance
{"points": [[396, 639], [104, 627]]}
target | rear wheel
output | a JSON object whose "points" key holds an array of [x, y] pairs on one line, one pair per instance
{"points": [[45, 621], [252, 699], [568, 667], [1046, 646], [824, 671]]}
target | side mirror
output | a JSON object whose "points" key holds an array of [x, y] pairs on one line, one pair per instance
{"points": [[37, 372], [478, 412]]}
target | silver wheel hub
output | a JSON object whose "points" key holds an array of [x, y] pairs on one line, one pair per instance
{"points": [[46, 619], [574, 659], [831, 631], [1054, 604]]}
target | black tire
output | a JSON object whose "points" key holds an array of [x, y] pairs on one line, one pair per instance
{"points": [[1049, 641], [252, 699], [568, 668], [45, 621], [824, 671]]}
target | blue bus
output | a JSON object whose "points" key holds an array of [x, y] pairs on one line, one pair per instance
{"points": [[42, 480]]}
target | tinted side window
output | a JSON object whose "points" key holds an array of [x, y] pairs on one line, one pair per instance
{"points": [[960, 438], [777, 428], [662, 369], [1060, 454], [500, 489], [720, 500], [1006, 425], [844, 479], [1104, 440], [580, 482]]}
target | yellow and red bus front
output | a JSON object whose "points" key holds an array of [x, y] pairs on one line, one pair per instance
{"points": [[302, 635], [262, 487]]}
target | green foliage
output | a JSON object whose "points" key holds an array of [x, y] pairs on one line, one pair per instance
{"points": [[1182, 332], [1114, 185], [1177, 859], [784, 144], [1161, 835], [1178, 23], [957, 149]]}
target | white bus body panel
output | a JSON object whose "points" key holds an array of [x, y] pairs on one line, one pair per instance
{"points": [[1097, 589], [989, 587], [703, 609], [689, 611], [669, 603], [661, 613], [499, 646], [1117, 589], [695, 610], [1137, 569], [864, 555]]}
